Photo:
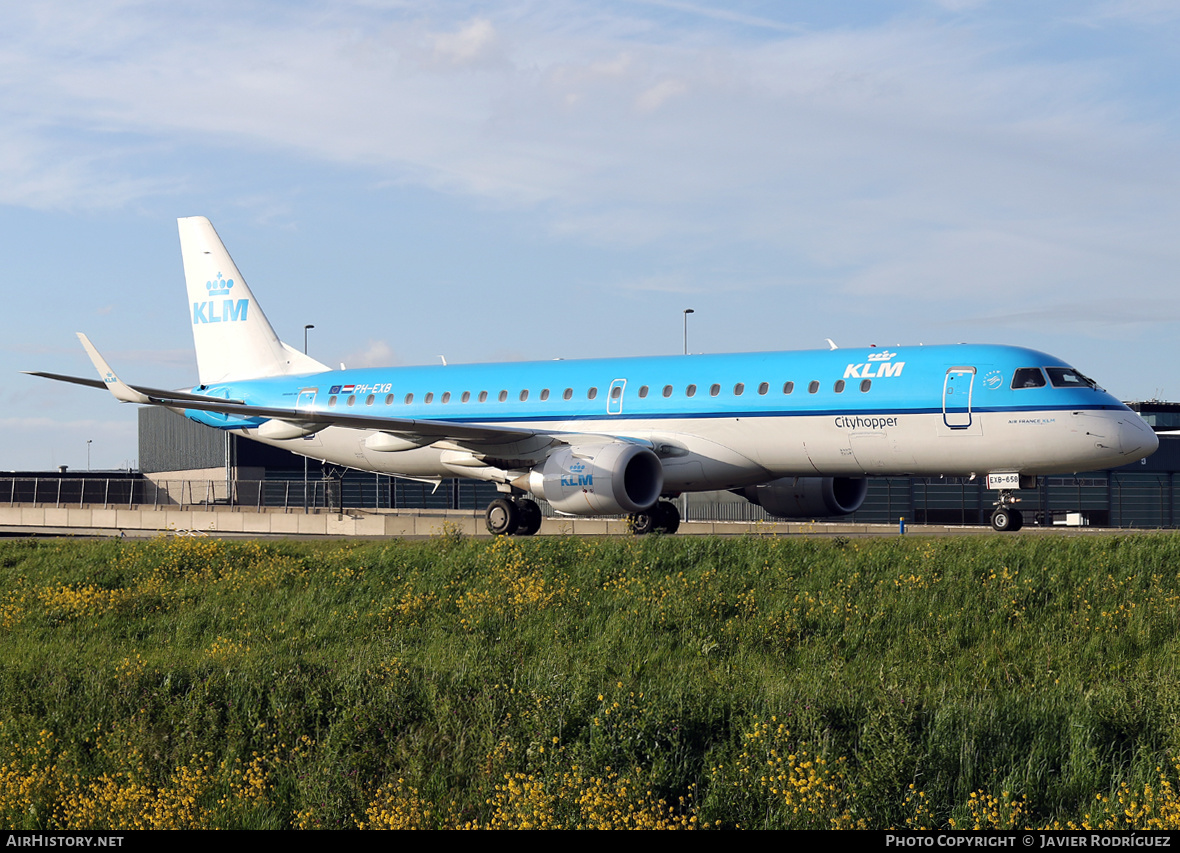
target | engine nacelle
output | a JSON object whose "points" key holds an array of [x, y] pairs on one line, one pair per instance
{"points": [[599, 479], [808, 497]]}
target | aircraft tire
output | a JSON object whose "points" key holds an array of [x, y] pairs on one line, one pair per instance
{"points": [[502, 517], [667, 517], [529, 517], [1017, 520], [644, 522], [1002, 520]]}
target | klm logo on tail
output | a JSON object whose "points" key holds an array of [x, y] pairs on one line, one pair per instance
{"points": [[220, 311]]}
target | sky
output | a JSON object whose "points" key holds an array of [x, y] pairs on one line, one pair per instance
{"points": [[500, 181]]}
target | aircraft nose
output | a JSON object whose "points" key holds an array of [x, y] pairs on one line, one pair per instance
{"points": [[1136, 439]]}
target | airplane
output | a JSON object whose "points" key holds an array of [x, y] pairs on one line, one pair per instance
{"points": [[794, 432]]}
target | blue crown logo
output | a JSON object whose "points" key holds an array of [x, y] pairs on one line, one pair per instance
{"points": [[221, 287]]}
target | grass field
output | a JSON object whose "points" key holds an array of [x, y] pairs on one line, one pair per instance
{"points": [[656, 682]]}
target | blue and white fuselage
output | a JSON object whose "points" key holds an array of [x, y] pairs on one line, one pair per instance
{"points": [[796, 432], [727, 421]]}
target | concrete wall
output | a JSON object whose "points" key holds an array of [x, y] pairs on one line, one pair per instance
{"points": [[236, 522]]}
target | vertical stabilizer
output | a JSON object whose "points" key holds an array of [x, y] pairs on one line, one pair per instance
{"points": [[234, 340]]}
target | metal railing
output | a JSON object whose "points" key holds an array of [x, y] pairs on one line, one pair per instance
{"points": [[1125, 501], [366, 493], [63, 492]]}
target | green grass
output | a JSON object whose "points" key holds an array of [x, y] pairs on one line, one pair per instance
{"points": [[297, 683]]}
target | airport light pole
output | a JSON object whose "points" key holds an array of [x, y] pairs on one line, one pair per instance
{"points": [[89, 441], [687, 311], [305, 329]]}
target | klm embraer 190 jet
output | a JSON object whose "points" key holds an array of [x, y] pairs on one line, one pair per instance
{"points": [[794, 432]]}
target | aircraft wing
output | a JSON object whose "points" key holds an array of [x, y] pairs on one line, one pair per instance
{"points": [[459, 432], [144, 391]]}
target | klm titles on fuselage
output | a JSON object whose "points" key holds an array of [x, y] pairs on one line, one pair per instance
{"points": [[877, 365], [220, 311]]}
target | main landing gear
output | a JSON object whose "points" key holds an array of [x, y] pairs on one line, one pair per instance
{"points": [[513, 517], [661, 518], [521, 516], [1006, 517]]}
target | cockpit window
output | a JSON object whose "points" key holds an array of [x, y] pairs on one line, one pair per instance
{"points": [[1067, 377], [1028, 377]]}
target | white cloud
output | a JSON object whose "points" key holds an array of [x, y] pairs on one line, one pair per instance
{"points": [[918, 152], [475, 43], [374, 354], [654, 97]]}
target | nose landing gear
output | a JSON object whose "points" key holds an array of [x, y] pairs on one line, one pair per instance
{"points": [[1006, 517]]}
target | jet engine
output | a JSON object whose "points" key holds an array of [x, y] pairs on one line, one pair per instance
{"points": [[599, 479], [808, 497]]}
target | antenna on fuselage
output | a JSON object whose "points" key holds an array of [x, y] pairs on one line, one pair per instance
{"points": [[444, 360], [831, 343]]}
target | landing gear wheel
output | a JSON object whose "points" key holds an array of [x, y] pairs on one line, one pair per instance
{"points": [[661, 518], [502, 517], [529, 517], [667, 517], [1007, 518], [642, 523]]}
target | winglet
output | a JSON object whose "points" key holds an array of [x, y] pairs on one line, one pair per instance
{"points": [[115, 385]]}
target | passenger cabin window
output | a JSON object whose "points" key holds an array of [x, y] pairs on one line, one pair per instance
{"points": [[763, 387], [351, 399], [1028, 377], [483, 396], [446, 397], [616, 392], [503, 396], [592, 393], [667, 390], [369, 400], [466, 398], [524, 395], [332, 400], [429, 398], [739, 389], [812, 386], [544, 394], [839, 386], [409, 398], [866, 384], [389, 399], [690, 391], [642, 391], [788, 387], [714, 390], [567, 394]]}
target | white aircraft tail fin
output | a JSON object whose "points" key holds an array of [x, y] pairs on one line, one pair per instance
{"points": [[233, 338]]}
